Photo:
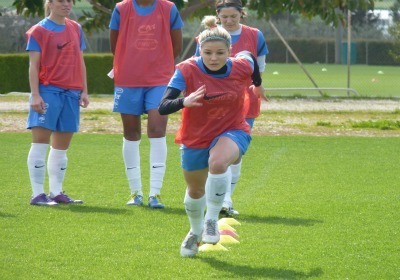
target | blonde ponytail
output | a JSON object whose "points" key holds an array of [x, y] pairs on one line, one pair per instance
{"points": [[213, 32]]}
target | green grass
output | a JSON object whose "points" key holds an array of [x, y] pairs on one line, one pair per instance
{"points": [[320, 207], [368, 81], [380, 124]]}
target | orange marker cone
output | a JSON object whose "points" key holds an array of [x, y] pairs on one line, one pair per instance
{"points": [[229, 232]]}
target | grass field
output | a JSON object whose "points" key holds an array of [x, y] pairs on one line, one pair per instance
{"points": [[311, 207], [367, 81]]}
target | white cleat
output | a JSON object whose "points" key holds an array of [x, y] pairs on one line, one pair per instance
{"points": [[190, 246], [227, 210], [211, 232]]}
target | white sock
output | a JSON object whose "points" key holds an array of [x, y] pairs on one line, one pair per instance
{"points": [[216, 187], [158, 157], [131, 155], [195, 211], [235, 171], [37, 167], [56, 168]]}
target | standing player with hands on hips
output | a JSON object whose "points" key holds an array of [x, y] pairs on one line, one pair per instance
{"points": [[213, 133], [57, 78], [145, 37]]}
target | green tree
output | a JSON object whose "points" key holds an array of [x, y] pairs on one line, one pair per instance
{"points": [[364, 18], [395, 11], [330, 11], [394, 31]]}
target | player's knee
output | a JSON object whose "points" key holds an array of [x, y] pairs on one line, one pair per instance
{"points": [[132, 135], [156, 132], [196, 192], [217, 166]]}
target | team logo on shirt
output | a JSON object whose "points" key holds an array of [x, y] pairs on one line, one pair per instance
{"points": [[220, 96], [219, 103], [61, 46], [208, 97], [145, 42], [146, 29]]}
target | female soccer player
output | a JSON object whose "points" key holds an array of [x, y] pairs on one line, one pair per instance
{"points": [[229, 14], [145, 37], [214, 133], [57, 78]]}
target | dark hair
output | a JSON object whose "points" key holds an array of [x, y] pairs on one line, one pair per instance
{"points": [[237, 4]]}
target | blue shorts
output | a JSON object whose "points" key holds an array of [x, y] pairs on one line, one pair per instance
{"points": [[196, 159], [62, 111], [137, 100], [250, 121]]}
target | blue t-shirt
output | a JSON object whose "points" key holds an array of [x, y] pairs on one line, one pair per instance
{"points": [[177, 81], [175, 18], [48, 24]]}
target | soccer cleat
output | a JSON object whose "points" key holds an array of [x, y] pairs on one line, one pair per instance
{"points": [[227, 210], [42, 200], [211, 232], [135, 199], [155, 201], [65, 199], [232, 212], [190, 246]]}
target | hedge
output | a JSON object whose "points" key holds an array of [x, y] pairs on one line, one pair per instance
{"points": [[14, 73]]}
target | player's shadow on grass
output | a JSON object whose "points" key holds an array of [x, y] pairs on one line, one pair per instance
{"points": [[247, 272], [91, 209], [167, 210], [289, 221], [83, 208], [7, 215]]}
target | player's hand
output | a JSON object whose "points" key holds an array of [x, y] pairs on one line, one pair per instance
{"points": [[193, 99], [260, 92], [37, 104], [84, 100]]}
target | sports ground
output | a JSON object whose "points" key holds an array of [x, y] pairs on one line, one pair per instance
{"points": [[317, 199]]}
